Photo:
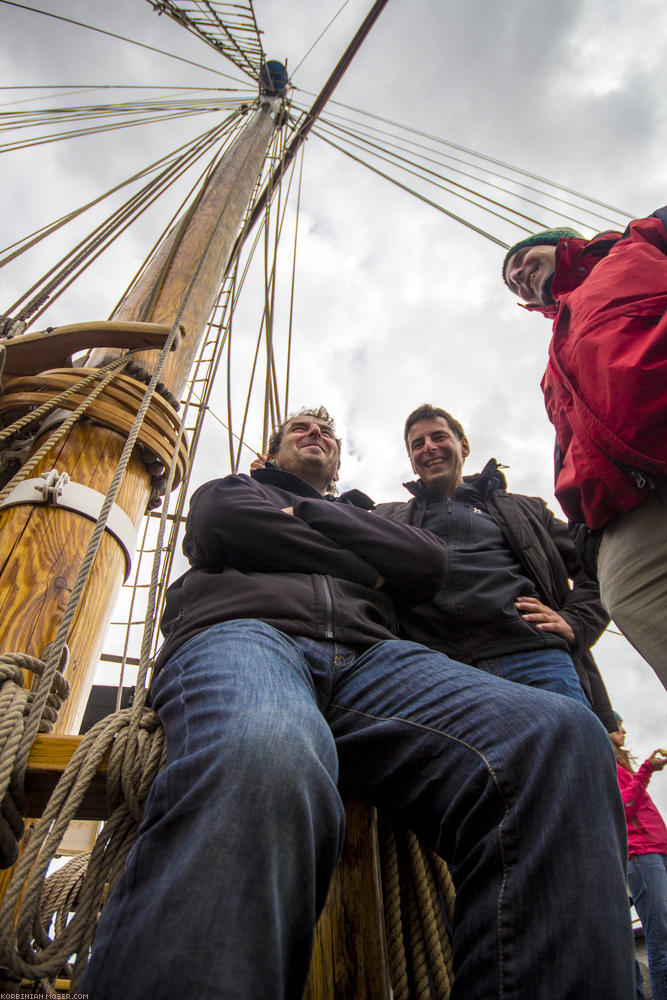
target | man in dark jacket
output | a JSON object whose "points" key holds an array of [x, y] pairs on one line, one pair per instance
{"points": [[605, 390], [280, 677], [506, 605]]}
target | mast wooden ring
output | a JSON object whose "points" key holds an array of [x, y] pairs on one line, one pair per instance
{"points": [[116, 409]]}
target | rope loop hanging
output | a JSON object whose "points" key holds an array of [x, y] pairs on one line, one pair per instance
{"points": [[18, 709]]}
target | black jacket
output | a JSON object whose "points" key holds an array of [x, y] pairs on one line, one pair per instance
{"points": [[313, 574], [546, 554]]}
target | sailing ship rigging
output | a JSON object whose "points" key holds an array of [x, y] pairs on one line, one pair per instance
{"points": [[493, 199]]}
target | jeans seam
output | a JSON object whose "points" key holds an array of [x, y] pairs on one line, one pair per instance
{"points": [[456, 739]]}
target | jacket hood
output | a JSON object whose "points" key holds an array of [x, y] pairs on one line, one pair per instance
{"points": [[488, 481]]}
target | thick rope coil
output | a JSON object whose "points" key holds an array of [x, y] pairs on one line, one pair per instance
{"points": [[23, 713], [418, 896], [134, 760], [116, 407], [391, 897]]}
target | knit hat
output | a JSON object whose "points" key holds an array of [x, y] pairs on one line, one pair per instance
{"points": [[548, 237]]}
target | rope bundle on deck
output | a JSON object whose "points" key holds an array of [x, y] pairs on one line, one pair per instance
{"points": [[23, 714]]}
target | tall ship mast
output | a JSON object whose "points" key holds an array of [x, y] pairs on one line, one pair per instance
{"points": [[70, 521]]}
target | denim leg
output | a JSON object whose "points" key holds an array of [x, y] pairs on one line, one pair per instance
{"points": [[647, 880], [550, 669], [516, 789], [241, 834]]}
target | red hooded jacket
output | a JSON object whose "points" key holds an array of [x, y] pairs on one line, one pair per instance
{"points": [[605, 386]]}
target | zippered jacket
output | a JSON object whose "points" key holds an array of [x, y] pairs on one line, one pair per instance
{"points": [[545, 552], [647, 833], [312, 574], [605, 386]]}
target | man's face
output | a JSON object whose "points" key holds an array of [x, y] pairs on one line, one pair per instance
{"points": [[527, 271], [437, 454], [308, 449]]}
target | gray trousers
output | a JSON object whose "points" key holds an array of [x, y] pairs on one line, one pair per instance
{"points": [[632, 570]]}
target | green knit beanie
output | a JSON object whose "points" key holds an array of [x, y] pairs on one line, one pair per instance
{"points": [[548, 237]]}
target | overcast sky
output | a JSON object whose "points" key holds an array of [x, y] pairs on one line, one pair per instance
{"points": [[395, 304]]}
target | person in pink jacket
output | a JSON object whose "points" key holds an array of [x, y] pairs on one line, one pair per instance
{"points": [[647, 854]]}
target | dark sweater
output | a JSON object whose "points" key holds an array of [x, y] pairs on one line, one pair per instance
{"points": [[313, 574]]}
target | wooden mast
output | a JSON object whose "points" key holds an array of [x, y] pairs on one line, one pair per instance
{"points": [[44, 545]]}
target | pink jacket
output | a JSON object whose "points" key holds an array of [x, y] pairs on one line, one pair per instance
{"points": [[647, 833]]}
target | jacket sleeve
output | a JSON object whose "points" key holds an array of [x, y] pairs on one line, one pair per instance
{"points": [[633, 787], [232, 523], [410, 560], [582, 608]]}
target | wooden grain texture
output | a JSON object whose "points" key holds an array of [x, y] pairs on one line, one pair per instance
{"points": [[204, 246], [350, 951], [42, 547]]}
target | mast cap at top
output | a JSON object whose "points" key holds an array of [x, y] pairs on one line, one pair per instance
{"points": [[273, 78]]}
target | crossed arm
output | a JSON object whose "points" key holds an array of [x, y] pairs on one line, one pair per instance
{"points": [[234, 522]]}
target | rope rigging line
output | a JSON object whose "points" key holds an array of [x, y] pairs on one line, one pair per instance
{"points": [[427, 201], [481, 156], [415, 147], [61, 90], [229, 28], [51, 285], [429, 175], [445, 157], [112, 34], [27, 242], [319, 37], [79, 133]]}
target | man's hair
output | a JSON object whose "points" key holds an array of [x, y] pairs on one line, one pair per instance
{"points": [[428, 412], [321, 413]]}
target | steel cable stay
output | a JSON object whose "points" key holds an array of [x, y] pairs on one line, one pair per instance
{"points": [[430, 177], [415, 149], [481, 156]]}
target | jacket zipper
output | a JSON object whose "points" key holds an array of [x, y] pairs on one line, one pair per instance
{"points": [[328, 603]]}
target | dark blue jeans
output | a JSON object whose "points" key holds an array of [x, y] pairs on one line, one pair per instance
{"points": [[550, 669], [647, 881], [515, 788]]}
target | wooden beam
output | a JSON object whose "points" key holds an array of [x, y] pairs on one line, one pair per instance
{"points": [[48, 759]]}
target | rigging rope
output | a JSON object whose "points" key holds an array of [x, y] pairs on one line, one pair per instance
{"points": [[112, 34]]}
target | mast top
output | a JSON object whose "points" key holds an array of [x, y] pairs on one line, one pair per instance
{"points": [[273, 79]]}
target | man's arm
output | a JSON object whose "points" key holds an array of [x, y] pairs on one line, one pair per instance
{"points": [[410, 560], [232, 523]]}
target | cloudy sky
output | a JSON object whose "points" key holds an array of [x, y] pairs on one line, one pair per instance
{"points": [[395, 304]]}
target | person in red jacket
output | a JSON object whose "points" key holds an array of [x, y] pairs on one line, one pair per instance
{"points": [[647, 854], [605, 390]]}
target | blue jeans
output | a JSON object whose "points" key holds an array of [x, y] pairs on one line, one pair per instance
{"points": [[550, 669], [647, 881], [244, 826]]}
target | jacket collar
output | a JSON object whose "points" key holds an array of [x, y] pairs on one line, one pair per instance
{"points": [[488, 481], [273, 475]]}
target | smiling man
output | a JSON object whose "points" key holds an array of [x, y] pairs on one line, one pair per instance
{"points": [[506, 605], [605, 390], [281, 677]]}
